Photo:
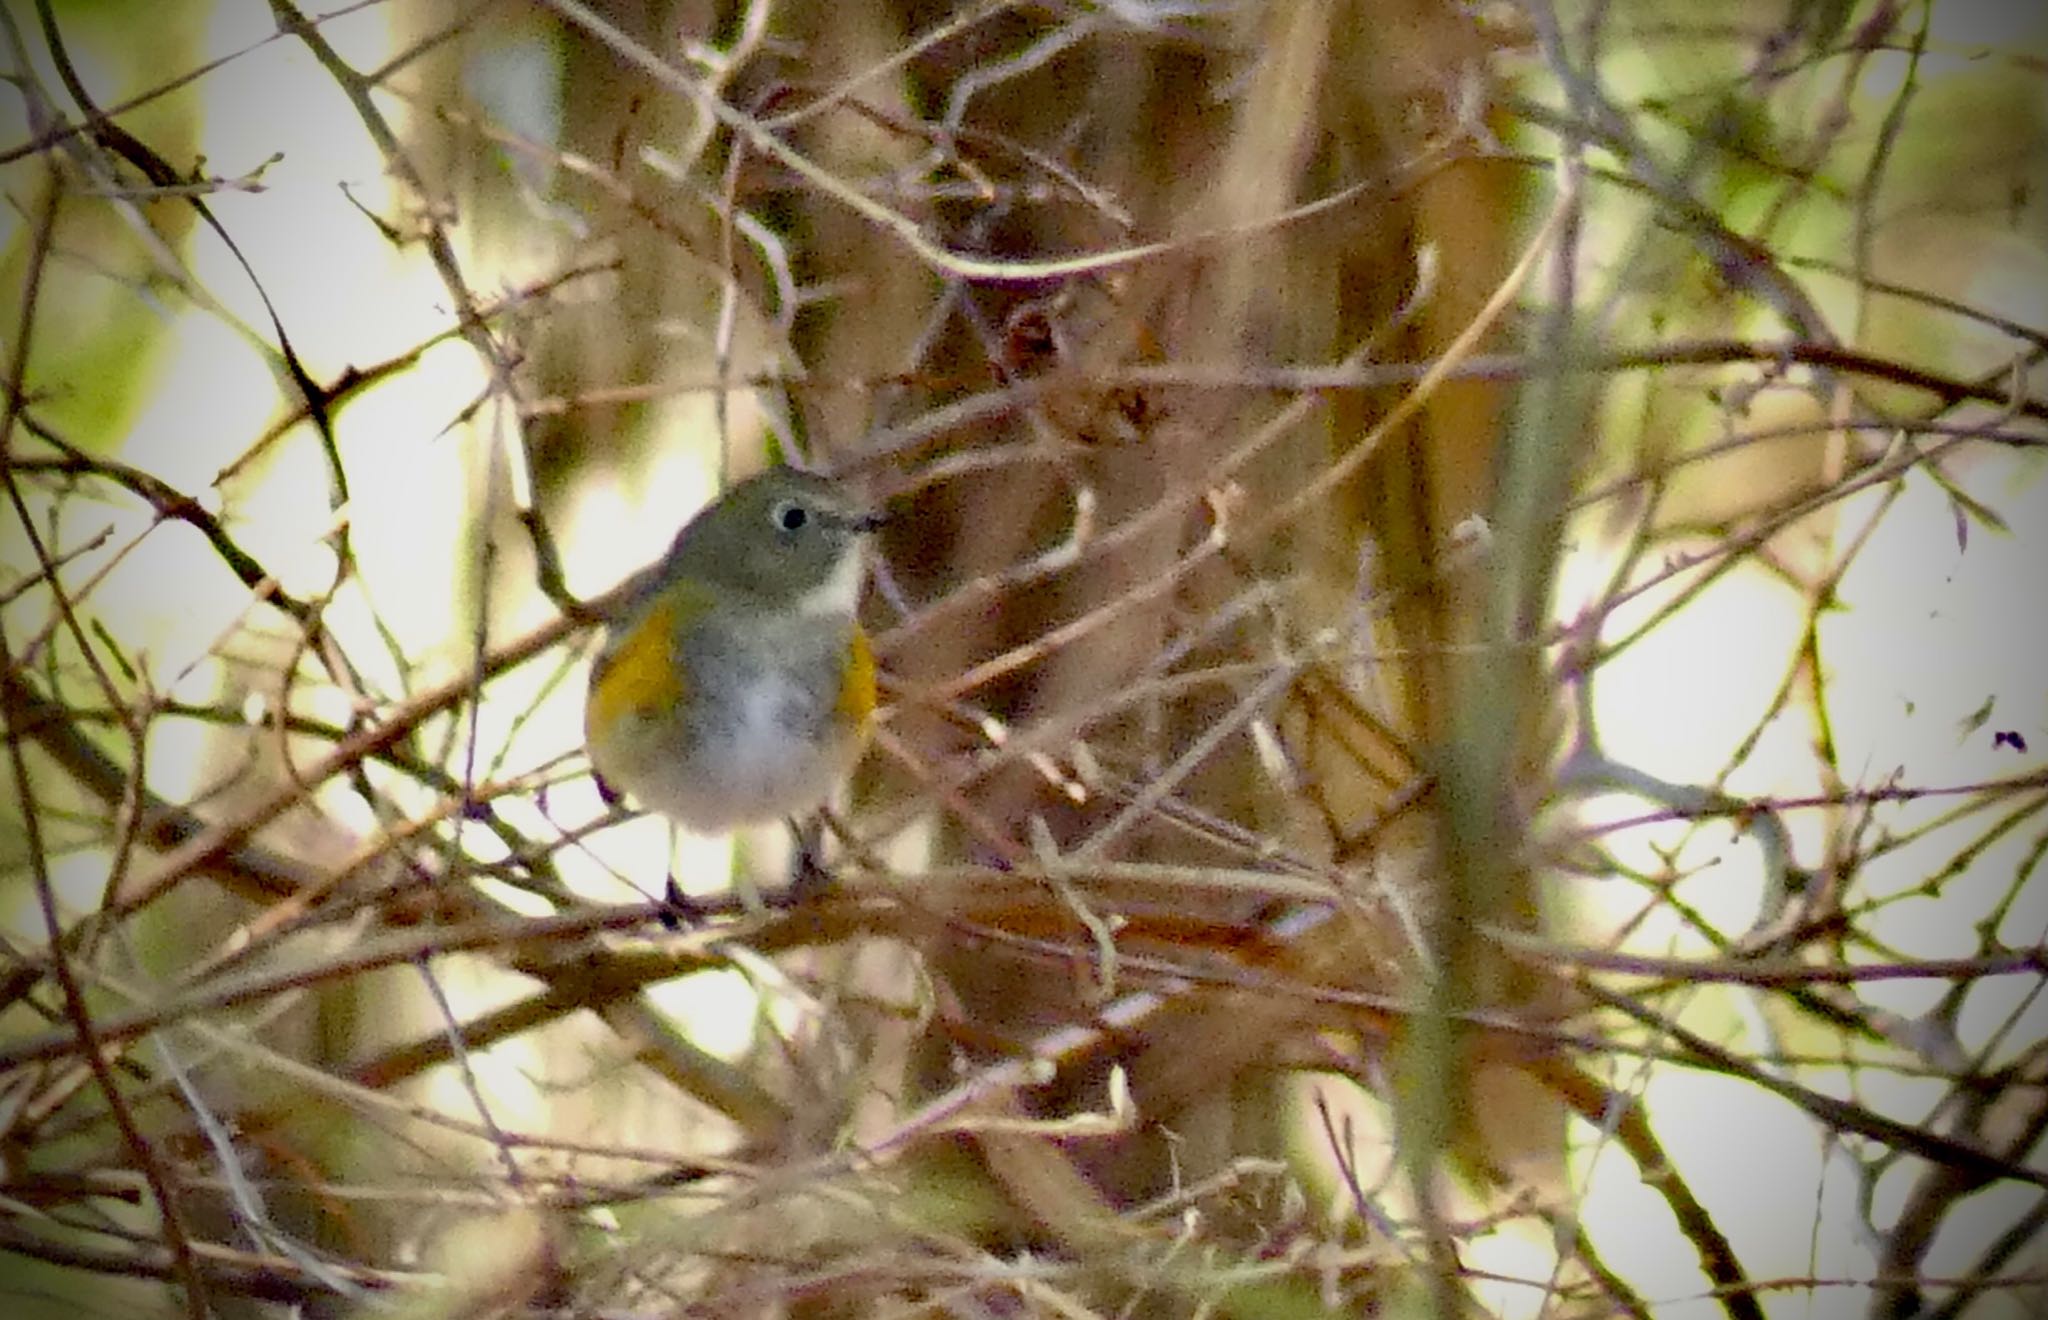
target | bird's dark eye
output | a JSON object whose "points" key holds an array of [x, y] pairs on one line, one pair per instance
{"points": [[790, 516]]}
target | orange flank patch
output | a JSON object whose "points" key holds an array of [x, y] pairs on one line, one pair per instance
{"points": [[639, 677], [857, 689]]}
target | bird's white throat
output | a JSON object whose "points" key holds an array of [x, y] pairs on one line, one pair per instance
{"points": [[837, 594]]}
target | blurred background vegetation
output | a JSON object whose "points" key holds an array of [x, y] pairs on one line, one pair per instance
{"points": [[1465, 728]]}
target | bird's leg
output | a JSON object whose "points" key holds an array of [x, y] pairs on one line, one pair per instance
{"points": [[809, 878], [677, 907]]}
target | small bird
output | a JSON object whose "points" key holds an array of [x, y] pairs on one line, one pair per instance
{"points": [[735, 684]]}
